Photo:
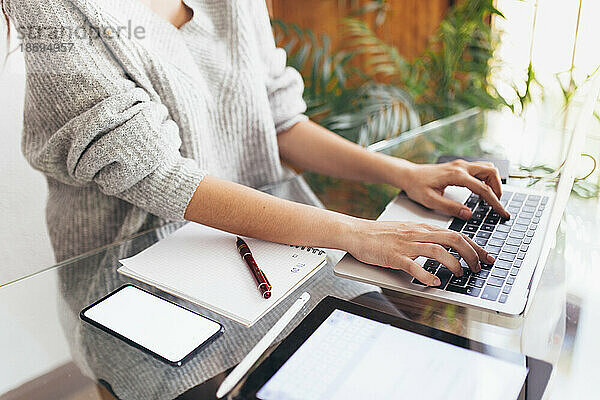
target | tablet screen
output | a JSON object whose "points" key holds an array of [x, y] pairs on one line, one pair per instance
{"points": [[164, 328], [352, 357]]}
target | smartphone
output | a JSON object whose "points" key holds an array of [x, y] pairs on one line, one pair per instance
{"points": [[165, 330]]}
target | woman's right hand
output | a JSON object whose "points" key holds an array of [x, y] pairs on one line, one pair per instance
{"points": [[396, 245]]}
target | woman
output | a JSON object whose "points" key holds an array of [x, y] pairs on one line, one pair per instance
{"points": [[141, 112]]}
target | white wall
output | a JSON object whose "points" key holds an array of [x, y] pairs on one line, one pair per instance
{"points": [[24, 244]]}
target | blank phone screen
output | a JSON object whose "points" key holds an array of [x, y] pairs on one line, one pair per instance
{"points": [[170, 331]]}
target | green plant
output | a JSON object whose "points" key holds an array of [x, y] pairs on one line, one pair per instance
{"points": [[458, 61], [375, 96], [550, 175], [525, 97], [378, 7], [383, 62], [453, 73], [340, 97], [571, 87]]}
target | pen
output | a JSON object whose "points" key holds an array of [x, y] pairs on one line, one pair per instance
{"points": [[261, 280], [244, 366]]}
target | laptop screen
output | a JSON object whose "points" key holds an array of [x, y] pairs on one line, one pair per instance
{"points": [[567, 175]]}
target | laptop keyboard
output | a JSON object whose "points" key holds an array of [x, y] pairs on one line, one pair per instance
{"points": [[507, 240]]}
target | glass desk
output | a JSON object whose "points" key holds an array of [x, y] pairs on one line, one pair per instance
{"points": [[47, 352]]}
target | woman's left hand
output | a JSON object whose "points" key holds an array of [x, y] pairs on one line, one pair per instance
{"points": [[426, 183]]}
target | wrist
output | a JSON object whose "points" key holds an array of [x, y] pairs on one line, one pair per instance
{"points": [[398, 172], [345, 232], [353, 233]]}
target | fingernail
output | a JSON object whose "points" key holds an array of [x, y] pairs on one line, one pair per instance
{"points": [[464, 213], [436, 281], [490, 259]]}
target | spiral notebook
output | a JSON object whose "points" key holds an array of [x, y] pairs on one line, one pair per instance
{"points": [[202, 265]]}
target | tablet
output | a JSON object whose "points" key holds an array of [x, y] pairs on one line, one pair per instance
{"points": [[346, 351], [163, 329]]}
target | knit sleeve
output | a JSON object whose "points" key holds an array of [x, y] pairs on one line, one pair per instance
{"points": [[284, 84], [87, 123]]}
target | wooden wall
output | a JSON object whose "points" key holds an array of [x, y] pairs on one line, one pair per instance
{"points": [[408, 26]]}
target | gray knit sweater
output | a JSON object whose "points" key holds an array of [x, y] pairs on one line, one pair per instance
{"points": [[125, 114], [126, 128]]}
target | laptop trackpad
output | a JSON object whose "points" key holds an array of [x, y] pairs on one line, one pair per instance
{"points": [[404, 209]]}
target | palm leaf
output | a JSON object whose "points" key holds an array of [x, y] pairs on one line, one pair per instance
{"points": [[362, 111]]}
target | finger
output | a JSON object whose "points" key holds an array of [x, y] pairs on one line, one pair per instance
{"points": [[489, 173], [458, 242], [484, 191], [450, 207], [439, 254], [484, 256], [418, 272]]}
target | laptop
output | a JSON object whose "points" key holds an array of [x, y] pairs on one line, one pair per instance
{"points": [[520, 245]]}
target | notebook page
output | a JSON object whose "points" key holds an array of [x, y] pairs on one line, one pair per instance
{"points": [[203, 265]]}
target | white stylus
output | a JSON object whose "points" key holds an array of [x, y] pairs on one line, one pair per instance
{"points": [[244, 366]]}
